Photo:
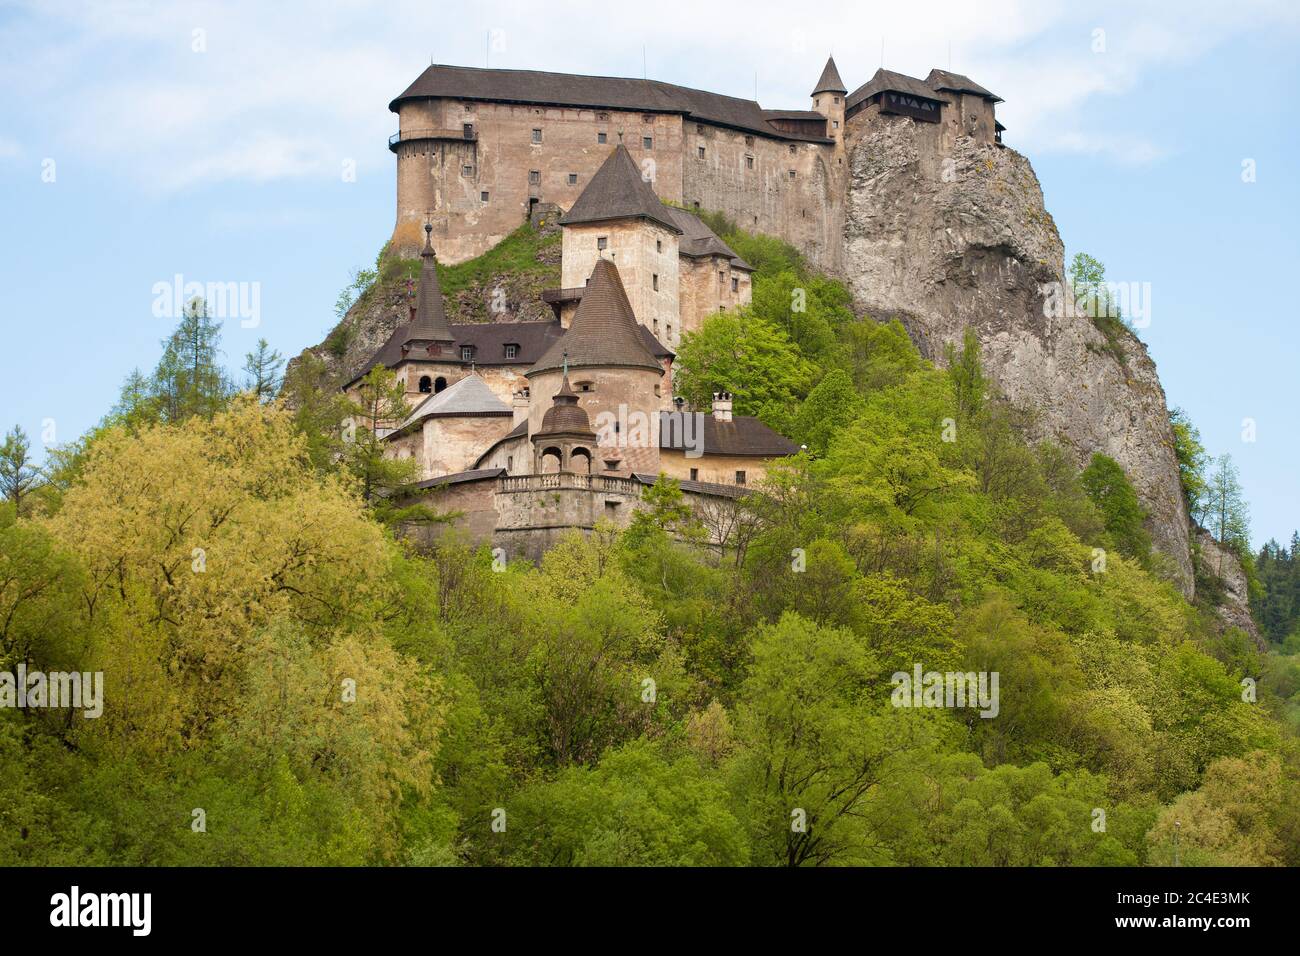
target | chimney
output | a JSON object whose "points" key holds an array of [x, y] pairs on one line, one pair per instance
{"points": [[520, 406], [722, 406]]}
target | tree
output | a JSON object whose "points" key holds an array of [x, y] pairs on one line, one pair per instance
{"points": [[1193, 462], [967, 374], [189, 379], [262, 368], [1108, 487], [378, 408], [319, 409], [829, 407], [18, 475], [1226, 506]]}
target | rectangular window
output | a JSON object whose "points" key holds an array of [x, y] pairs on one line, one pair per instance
{"points": [[722, 277], [695, 474], [466, 353], [602, 242], [668, 332], [835, 123], [483, 196], [510, 462], [654, 281], [735, 284], [749, 162], [792, 174], [699, 152], [512, 351], [535, 177], [647, 142], [573, 179], [749, 141], [468, 130], [740, 477], [659, 245], [792, 149], [600, 137], [467, 170], [537, 136]]}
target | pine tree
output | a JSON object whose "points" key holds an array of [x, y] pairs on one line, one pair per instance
{"points": [[263, 368], [379, 407], [189, 379], [1226, 506], [18, 475]]}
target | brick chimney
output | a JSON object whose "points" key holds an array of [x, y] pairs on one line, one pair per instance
{"points": [[722, 406]]}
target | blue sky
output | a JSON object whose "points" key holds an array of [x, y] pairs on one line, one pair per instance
{"points": [[142, 141]]}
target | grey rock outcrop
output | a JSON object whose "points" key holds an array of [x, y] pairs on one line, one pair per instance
{"points": [[1234, 603], [944, 240]]}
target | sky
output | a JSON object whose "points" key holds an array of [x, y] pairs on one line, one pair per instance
{"points": [[246, 143]]}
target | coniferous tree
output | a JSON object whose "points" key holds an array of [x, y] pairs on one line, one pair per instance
{"points": [[263, 370], [189, 379], [18, 474], [1226, 508]]}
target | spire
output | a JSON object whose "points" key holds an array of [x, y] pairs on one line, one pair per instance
{"points": [[604, 331], [830, 81], [430, 324], [565, 416], [618, 191]]}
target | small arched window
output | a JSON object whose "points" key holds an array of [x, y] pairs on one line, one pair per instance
{"points": [[439, 384], [426, 384]]}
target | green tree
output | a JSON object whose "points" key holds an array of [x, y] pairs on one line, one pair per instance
{"points": [[189, 379], [1226, 507], [18, 474], [827, 410], [263, 370], [1108, 487], [1193, 462]]}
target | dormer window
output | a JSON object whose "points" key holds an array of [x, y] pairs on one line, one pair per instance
{"points": [[467, 353], [512, 350], [585, 386]]}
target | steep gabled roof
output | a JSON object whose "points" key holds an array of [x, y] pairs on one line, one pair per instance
{"points": [[699, 240], [604, 331], [595, 92], [430, 324], [469, 398], [887, 80], [488, 340], [618, 191], [957, 83], [830, 81]]}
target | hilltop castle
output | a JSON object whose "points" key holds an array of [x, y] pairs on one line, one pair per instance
{"points": [[528, 429], [477, 148]]}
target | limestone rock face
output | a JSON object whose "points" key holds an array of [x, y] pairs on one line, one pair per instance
{"points": [[946, 241], [1234, 606]]}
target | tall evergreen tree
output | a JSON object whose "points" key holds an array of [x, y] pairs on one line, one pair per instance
{"points": [[1226, 508], [189, 379], [263, 368], [18, 474]]}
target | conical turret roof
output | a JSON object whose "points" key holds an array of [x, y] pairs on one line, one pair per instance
{"points": [[617, 191], [565, 416], [430, 323], [604, 331], [830, 81]]}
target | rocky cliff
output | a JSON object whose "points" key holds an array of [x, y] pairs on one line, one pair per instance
{"points": [[946, 242], [1233, 603]]}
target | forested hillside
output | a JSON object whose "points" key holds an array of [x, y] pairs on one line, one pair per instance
{"points": [[286, 682]]}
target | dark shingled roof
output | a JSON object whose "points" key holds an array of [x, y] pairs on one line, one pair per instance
{"points": [[957, 83], [460, 477], [488, 339], [743, 435], [699, 240], [430, 323], [830, 81], [604, 331], [699, 487], [595, 92], [896, 82], [617, 191]]}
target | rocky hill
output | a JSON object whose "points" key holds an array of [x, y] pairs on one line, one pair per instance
{"points": [[943, 244]]}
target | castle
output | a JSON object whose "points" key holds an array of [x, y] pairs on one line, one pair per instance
{"points": [[528, 429], [478, 148]]}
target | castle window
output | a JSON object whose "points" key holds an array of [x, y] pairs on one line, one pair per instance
{"points": [[792, 149], [659, 245], [467, 170], [835, 123], [749, 162], [699, 127], [647, 142], [483, 196], [467, 353], [510, 462], [740, 477], [817, 101], [600, 137], [511, 351], [602, 242], [668, 331], [792, 174], [603, 117], [836, 100], [439, 384], [537, 135], [700, 152], [586, 386], [735, 284], [535, 177], [467, 130], [696, 204], [722, 277], [647, 118], [573, 179], [426, 384], [654, 281], [749, 141], [658, 391], [695, 474]]}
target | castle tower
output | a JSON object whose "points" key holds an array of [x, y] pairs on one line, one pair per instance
{"points": [[618, 217], [615, 377], [828, 99], [565, 442], [429, 335]]}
